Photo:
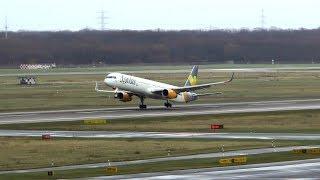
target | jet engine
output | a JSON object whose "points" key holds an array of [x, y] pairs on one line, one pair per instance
{"points": [[123, 96], [189, 96], [169, 93]]}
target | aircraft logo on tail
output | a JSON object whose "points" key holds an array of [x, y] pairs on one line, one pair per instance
{"points": [[192, 79]]}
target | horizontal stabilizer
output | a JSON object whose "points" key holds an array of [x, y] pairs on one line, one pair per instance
{"points": [[210, 94]]}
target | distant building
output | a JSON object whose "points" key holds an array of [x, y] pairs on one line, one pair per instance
{"points": [[37, 66]]}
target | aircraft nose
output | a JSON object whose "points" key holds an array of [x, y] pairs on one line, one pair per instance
{"points": [[106, 81]]}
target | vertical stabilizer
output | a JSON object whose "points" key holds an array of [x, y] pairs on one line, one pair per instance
{"points": [[192, 78]]}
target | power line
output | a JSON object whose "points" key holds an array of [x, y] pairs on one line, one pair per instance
{"points": [[263, 17]]}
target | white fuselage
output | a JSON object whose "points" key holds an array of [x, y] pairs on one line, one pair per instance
{"points": [[140, 86]]}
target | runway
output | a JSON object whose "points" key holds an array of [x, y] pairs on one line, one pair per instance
{"points": [[290, 169], [197, 156], [159, 111], [157, 135]]}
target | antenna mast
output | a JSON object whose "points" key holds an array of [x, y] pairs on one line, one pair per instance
{"points": [[6, 28], [102, 20]]}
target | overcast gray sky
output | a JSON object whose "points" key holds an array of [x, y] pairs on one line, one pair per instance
{"points": [[164, 14]]}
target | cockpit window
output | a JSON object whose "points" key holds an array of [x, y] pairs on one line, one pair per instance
{"points": [[111, 77]]}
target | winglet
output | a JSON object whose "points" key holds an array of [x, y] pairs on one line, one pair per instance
{"points": [[96, 87]]}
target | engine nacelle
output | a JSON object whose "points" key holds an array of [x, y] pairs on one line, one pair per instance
{"points": [[189, 96], [123, 96], [169, 93]]}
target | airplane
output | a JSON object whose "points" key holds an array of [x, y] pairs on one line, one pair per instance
{"points": [[125, 86]]}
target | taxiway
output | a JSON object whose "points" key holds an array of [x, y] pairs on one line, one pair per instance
{"points": [[170, 158], [290, 169]]}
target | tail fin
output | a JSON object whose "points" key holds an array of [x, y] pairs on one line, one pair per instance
{"points": [[192, 78]]}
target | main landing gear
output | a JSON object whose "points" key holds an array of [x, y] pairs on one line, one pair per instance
{"points": [[142, 105], [167, 104]]}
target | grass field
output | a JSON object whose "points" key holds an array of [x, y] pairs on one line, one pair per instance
{"points": [[285, 121], [77, 91], [19, 153], [160, 166]]}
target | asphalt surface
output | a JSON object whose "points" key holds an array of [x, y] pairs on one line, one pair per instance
{"points": [[159, 111], [291, 169], [155, 135], [169, 158]]}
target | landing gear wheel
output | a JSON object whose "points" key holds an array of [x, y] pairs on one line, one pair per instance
{"points": [[167, 104], [142, 105]]}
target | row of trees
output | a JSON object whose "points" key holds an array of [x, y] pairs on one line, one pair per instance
{"points": [[123, 47]]}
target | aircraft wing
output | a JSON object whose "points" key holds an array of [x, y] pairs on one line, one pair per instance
{"points": [[196, 87], [202, 86], [104, 91]]}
